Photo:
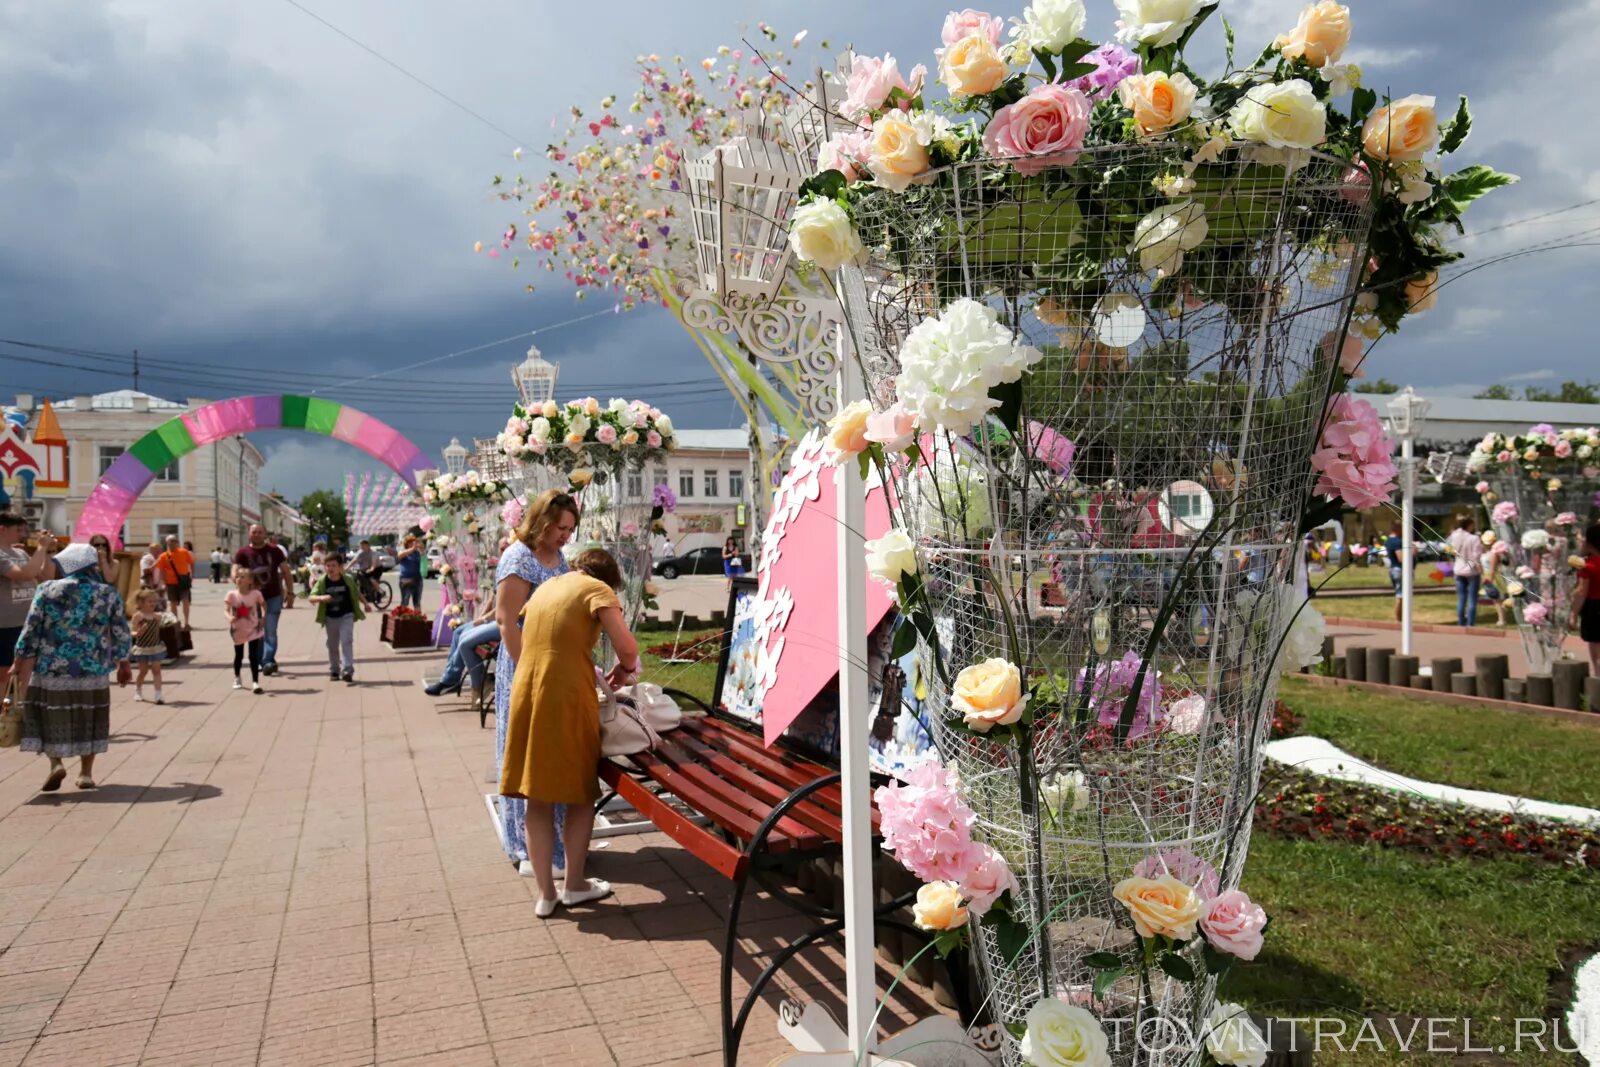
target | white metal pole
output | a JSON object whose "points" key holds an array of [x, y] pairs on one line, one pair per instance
{"points": [[1407, 562], [856, 783]]}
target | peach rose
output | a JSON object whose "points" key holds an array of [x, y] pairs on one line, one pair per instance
{"points": [[1405, 129], [895, 153], [938, 907], [1422, 293], [847, 431], [1320, 36], [1159, 101], [989, 694], [972, 66], [1161, 907]]}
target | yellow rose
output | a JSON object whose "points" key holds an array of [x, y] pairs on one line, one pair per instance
{"points": [[580, 477], [1320, 36], [631, 437], [847, 431], [1158, 101], [989, 694], [1422, 293], [1402, 130], [1161, 907], [895, 153], [939, 907], [972, 66]]}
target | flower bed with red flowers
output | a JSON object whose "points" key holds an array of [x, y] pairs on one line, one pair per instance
{"points": [[1296, 804], [1286, 722], [695, 651]]}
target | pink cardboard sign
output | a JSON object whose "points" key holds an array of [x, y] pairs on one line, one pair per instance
{"points": [[799, 587]]}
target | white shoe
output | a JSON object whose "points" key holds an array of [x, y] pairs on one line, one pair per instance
{"points": [[543, 908], [598, 889], [525, 868], [139, 697], [255, 687], [238, 684]]}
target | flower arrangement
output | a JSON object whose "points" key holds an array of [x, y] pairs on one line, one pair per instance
{"points": [[1041, 99], [463, 489], [625, 433]]}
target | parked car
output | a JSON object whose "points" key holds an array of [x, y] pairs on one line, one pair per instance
{"points": [[706, 560]]}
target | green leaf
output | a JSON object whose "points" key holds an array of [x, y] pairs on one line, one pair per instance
{"points": [[1103, 961], [1362, 101], [864, 462], [1047, 62], [1227, 36], [1199, 20], [1078, 70], [1455, 131], [1106, 979], [1470, 183], [1010, 936], [1076, 50], [1176, 966], [1010, 396], [1216, 962], [827, 185], [1017, 1030], [905, 639]]}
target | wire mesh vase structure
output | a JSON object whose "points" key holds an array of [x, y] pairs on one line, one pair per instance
{"points": [[1125, 527], [1535, 572]]}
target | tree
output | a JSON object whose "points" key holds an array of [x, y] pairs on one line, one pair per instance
{"points": [[326, 517], [1495, 392], [1381, 385], [1569, 393]]}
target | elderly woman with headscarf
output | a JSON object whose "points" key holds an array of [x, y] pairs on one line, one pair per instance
{"points": [[75, 635]]}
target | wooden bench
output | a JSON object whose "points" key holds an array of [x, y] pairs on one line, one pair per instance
{"points": [[766, 807]]}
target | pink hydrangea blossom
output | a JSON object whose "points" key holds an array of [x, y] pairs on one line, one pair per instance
{"points": [[959, 25], [1109, 690], [1233, 924], [1043, 129], [926, 824], [1503, 513], [987, 879], [1356, 458], [1186, 867], [1535, 614], [511, 512]]}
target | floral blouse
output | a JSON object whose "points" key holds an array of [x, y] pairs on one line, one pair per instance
{"points": [[76, 628]]}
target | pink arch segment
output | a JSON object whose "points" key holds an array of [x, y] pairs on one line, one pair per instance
{"points": [[108, 505]]}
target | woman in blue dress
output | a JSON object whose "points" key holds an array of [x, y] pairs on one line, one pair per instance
{"points": [[531, 559]]}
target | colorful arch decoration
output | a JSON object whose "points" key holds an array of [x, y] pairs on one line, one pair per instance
{"points": [[108, 505]]}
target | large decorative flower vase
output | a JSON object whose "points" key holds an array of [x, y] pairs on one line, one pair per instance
{"points": [[1122, 522]]}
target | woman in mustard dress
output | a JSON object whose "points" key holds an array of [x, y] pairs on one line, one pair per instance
{"points": [[552, 753]]}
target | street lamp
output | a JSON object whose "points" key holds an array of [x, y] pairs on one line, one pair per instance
{"points": [[1407, 411], [535, 378], [455, 457]]}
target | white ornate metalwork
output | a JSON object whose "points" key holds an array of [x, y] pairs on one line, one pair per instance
{"points": [[798, 328]]}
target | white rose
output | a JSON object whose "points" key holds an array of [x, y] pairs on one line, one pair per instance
{"points": [[1282, 115], [618, 406], [1064, 1035], [821, 233], [949, 363], [579, 426], [1163, 236], [1233, 1039], [890, 556], [1536, 541], [1051, 25], [1065, 793], [1302, 645], [1585, 452], [539, 429], [1155, 22], [664, 426]]}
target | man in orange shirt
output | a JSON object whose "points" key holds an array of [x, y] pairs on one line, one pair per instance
{"points": [[176, 567]]}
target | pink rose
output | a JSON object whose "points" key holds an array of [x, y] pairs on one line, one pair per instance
{"points": [[987, 879], [1233, 923], [1043, 129], [1186, 867], [846, 152], [1349, 353], [1563, 449], [1567, 518], [965, 23], [606, 434], [1481, 487], [653, 439], [893, 428], [1356, 186], [1503, 456], [1535, 614], [871, 80]]}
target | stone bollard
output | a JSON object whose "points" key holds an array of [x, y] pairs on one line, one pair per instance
{"points": [[1464, 685], [1567, 678], [1401, 670], [1291, 1046], [891, 942], [1327, 649], [1442, 670], [1539, 689], [1422, 681], [1339, 670], [1378, 665], [1591, 693], [1492, 673], [1355, 663], [1515, 690]]}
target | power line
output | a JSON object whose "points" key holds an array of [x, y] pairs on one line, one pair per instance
{"points": [[436, 91], [1532, 218]]}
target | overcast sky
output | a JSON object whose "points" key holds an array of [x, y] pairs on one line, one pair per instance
{"points": [[257, 204]]}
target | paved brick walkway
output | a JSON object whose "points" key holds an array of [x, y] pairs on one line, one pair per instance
{"points": [[309, 877]]}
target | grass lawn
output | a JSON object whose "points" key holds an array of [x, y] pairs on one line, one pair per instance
{"points": [[1358, 577], [1370, 930], [1437, 609], [696, 678]]}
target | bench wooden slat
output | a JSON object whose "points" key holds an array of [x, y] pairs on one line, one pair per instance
{"points": [[711, 850], [702, 800], [782, 766], [815, 817], [689, 764]]}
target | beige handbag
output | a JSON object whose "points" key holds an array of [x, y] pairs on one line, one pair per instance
{"points": [[11, 717], [623, 730]]}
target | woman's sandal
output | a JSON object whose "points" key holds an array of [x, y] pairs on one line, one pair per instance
{"points": [[597, 890], [85, 782], [52, 783]]}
